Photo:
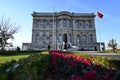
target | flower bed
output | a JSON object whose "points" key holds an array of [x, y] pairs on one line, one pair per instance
{"points": [[57, 65], [64, 66]]}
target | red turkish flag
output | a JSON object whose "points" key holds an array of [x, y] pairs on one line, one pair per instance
{"points": [[100, 15]]}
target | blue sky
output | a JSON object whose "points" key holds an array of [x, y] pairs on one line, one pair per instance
{"points": [[20, 12]]}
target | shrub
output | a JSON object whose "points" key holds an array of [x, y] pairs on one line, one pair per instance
{"points": [[34, 67]]}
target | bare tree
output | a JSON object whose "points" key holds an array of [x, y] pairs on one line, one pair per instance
{"points": [[7, 30], [112, 43]]}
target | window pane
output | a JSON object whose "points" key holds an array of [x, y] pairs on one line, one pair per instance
{"points": [[83, 24], [69, 24], [51, 39], [91, 38], [44, 24], [60, 23], [51, 23], [44, 39], [38, 24], [37, 38], [60, 39], [65, 23], [84, 39], [89, 24], [77, 24]]}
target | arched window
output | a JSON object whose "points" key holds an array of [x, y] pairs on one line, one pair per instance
{"points": [[84, 39], [38, 24], [91, 38], [37, 38]]}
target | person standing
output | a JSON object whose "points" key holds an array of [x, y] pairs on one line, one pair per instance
{"points": [[48, 47]]}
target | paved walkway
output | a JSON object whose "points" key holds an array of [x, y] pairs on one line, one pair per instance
{"points": [[94, 53]]}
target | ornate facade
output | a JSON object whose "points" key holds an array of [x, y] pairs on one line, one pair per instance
{"points": [[56, 29]]}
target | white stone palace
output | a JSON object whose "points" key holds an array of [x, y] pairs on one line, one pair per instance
{"points": [[56, 29]]}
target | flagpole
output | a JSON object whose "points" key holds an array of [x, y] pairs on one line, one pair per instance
{"points": [[53, 31], [99, 35]]}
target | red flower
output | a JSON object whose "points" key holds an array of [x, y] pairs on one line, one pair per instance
{"points": [[54, 60], [97, 67], [76, 78], [73, 64], [87, 62], [90, 75]]}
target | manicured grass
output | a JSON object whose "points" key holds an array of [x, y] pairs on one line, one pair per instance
{"points": [[110, 51], [45, 52], [17, 56], [4, 59], [33, 67]]}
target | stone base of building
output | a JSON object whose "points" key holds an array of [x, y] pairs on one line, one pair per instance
{"points": [[87, 47]]}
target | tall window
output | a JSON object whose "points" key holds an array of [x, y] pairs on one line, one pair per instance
{"points": [[38, 24], [69, 24], [51, 39], [37, 38], [77, 23], [44, 23], [44, 39], [84, 39], [60, 38], [83, 24], [65, 23], [51, 23], [60, 23], [91, 38], [89, 24]]}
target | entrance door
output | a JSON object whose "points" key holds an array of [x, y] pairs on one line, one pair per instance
{"points": [[65, 38]]}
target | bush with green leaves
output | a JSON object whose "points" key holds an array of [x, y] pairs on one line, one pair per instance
{"points": [[32, 68]]}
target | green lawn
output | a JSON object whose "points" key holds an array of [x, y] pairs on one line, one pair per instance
{"points": [[4, 59], [110, 51]]}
